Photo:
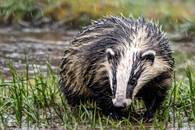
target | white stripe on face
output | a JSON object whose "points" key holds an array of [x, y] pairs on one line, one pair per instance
{"points": [[123, 75], [125, 66], [110, 53]]}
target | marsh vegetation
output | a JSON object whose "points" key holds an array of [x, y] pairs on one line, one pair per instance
{"points": [[33, 36]]}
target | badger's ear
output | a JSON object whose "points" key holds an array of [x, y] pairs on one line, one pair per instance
{"points": [[110, 54], [149, 55]]}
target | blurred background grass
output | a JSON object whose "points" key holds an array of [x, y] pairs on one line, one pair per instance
{"points": [[179, 15]]}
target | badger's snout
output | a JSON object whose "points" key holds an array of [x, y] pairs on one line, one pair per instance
{"points": [[121, 102]]}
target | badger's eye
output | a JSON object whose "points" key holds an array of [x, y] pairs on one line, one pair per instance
{"points": [[132, 81], [148, 56]]}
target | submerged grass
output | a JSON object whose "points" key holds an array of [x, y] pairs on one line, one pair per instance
{"points": [[37, 102]]}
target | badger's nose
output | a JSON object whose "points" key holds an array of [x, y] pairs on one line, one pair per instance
{"points": [[120, 103]]}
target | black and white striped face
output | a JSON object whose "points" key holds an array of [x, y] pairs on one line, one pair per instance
{"points": [[130, 70]]}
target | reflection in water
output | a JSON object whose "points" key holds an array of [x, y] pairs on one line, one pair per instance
{"points": [[35, 48]]}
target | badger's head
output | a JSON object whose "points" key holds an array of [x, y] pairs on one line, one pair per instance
{"points": [[132, 65]]}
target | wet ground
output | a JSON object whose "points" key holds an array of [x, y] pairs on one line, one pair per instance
{"points": [[35, 47], [39, 47]]}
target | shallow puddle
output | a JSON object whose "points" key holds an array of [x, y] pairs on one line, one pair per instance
{"points": [[37, 48]]}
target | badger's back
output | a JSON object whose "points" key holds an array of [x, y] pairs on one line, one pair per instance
{"points": [[84, 63]]}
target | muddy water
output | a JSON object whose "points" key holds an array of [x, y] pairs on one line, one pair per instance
{"points": [[35, 47]]}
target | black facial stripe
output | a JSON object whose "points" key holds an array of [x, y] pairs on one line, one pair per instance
{"points": [[115, 61], [137, 65], [129, 92], [114, 80], [130, 88]]}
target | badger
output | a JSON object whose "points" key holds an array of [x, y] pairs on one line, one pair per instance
{"points": [[116, 60]]}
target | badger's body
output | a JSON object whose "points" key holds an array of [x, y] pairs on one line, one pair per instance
{"points": [[115, 60]]}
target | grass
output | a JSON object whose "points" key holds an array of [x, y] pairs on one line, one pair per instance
{"points": [[173, 15], [37, 102], [13, 11]]}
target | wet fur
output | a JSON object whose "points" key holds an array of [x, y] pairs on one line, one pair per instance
{"points": [[84, 65]]}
